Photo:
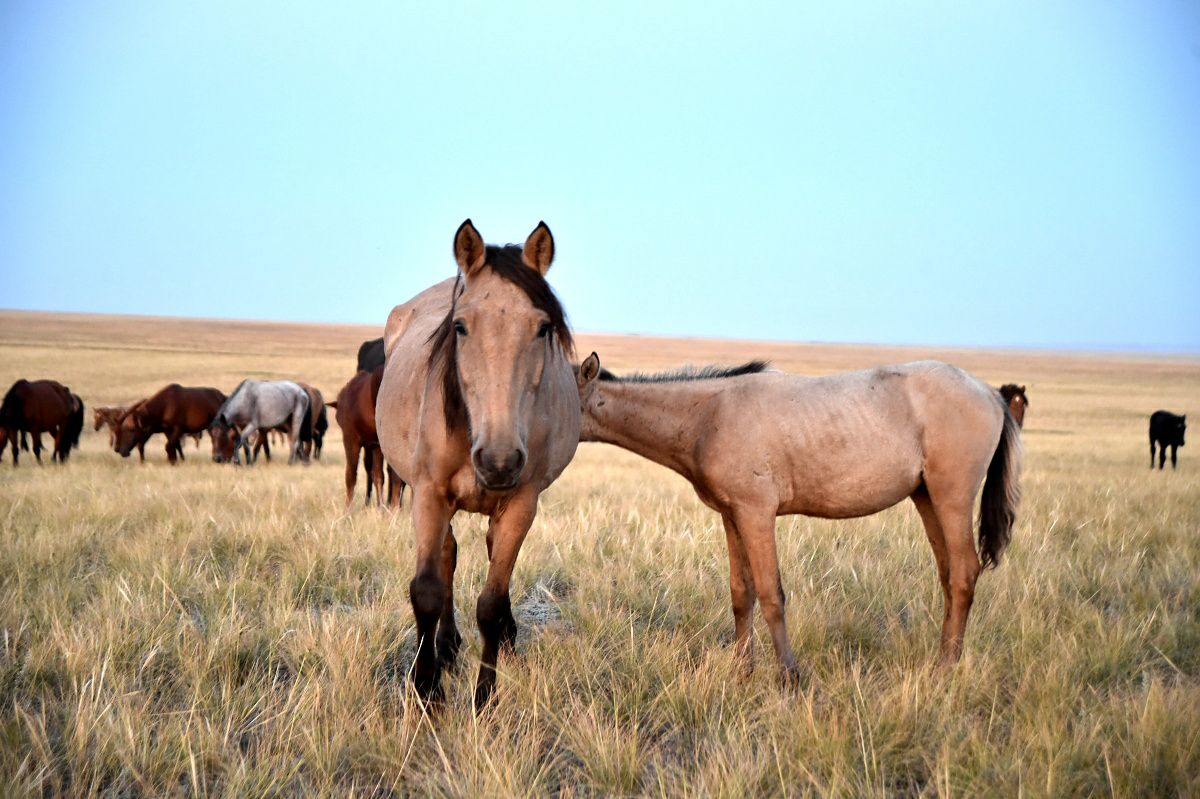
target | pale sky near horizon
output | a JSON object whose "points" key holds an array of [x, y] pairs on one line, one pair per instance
{"points": [[978, 174]]}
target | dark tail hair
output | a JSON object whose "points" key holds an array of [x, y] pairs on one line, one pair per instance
{"points": [[72, 428], [306, 424], [1001, 493]]}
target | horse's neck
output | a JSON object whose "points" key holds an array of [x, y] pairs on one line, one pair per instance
{"points": [[655, 420]]}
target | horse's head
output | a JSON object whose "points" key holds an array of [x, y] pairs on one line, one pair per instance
{"points": [[224, 440], [1014, 397], [505, 325], [129, 431], [586, 375]]}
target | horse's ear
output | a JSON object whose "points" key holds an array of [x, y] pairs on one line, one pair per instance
{"points": [[539, 249], [469, 249], [1022, 388], [588, 370]]}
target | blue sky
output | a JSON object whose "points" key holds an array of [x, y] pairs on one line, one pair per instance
{"points": [[985, 173]]}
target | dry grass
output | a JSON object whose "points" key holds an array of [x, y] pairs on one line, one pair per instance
{"points": [[208, 630]]}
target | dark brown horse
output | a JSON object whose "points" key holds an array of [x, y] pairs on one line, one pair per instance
{"points": [[174, 411], [355, 414], [41, 406], [1014, 397]]}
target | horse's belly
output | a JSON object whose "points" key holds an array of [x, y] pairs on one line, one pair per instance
{"points": [[849, 485]]}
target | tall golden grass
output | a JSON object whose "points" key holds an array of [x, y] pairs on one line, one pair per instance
{"points": [[209, 630]]}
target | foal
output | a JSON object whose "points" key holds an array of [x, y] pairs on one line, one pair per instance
{"points": [[757, 444]]}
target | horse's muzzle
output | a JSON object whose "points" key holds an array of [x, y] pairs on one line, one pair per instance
{"points": [[498, 473]]}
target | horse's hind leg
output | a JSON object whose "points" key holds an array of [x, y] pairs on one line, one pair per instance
{"points": [[953, 509], [941, 556], [1151, 452], [448, 638], [757, 533], [741, 590], [375, 472], [1174, 449], [1162, 456], [37, 447], [395, 489]]}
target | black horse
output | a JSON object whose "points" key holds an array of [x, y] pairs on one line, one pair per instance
{"points": [[1166, 429], [370, 355]]}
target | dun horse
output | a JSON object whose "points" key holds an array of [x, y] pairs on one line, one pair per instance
{"points": [[41, 406], [478, 411], [757, 444], [261, 405]]}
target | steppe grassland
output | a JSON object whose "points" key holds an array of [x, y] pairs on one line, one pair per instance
{"points": [[220, 631]]}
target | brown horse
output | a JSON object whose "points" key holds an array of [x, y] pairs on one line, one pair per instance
{"points": [[175, 411], [1014, 397], [478, 411], [355, 414], [757, 444], [109, 416], [41, 406]]}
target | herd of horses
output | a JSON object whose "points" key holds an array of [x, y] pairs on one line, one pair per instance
{"points": [[473, 398]]}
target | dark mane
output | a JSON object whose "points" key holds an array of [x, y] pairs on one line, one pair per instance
{"points": [[507, 262], [686, 373]]}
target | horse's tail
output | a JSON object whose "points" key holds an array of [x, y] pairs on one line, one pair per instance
{"points": [[306, 424], [1001, 493], [72, 429]]}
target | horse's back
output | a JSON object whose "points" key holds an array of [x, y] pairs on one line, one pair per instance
{"points": [[849, 444]]}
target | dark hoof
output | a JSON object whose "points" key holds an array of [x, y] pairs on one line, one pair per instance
{"points": [[793, 678], [429, 687]]}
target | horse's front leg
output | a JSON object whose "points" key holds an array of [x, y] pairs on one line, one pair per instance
{"points": [[493, 611], [448, 638], [431, 521], [242, 442]]}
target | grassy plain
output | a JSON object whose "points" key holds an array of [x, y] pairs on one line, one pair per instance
{"points": [[207, 630]]}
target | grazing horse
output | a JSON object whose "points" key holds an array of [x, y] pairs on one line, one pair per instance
{"points": [[261, 405], [175, 411], [370, 355], [355, 413], [756, 444], [1014, 397], [1167, 430], [478, 411], [262, 441], [41, 406]]}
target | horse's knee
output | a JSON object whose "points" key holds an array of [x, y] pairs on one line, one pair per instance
{"points": [[427, 594]]}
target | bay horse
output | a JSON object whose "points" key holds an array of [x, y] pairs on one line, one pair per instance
{"points": [[175, 411], [477, 411], [1014, 397], [34, 407], [757, 444], [261, 405], [354, 410]]}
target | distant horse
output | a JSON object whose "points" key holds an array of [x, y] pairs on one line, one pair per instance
{"points": [[1014, 397], [262, 441], [109, 416], [370, 355], [175, 411], [756, 444], [477, 411], [355, 414], [262, 404], [1167, 430], [34, 407]]}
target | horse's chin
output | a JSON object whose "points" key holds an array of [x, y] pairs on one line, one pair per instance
{"points": [[498, 488]]}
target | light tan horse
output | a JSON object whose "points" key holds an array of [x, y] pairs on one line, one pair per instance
{"points": [[478, 411], [757, 444]]}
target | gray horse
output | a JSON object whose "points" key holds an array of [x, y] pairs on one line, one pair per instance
{"points": [[262, 405]]}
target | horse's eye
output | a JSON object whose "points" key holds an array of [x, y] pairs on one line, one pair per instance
{"points": [[460, 328], [543, 330]]}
